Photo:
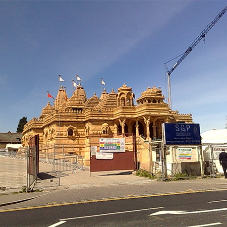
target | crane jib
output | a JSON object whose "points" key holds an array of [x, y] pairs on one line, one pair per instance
{"points": [[198, 39], [190, 48]]}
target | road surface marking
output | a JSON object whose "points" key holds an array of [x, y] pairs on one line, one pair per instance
{"points": [[111, 199], [185, 212], [106, 214], [57, 224], [204, 225], [218, 201]]}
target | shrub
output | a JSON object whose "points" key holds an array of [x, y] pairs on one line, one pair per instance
{"points": [[144, 173], [180, 176]]}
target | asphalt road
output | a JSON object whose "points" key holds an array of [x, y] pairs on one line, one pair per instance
{"points": [[196, 209]]}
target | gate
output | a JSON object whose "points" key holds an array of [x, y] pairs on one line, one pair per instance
{"points": [[101, 161], [33, 161]]}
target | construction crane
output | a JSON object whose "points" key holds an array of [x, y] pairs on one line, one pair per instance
{"points": [[190, 48]]}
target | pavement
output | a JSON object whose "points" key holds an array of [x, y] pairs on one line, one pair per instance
{"points": [[82, 186]]}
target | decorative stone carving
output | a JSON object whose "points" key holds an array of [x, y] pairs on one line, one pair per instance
{"points": [[105, 128], [77, 119]]}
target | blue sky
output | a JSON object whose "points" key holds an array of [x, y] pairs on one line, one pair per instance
{"points": [[119, 41]]}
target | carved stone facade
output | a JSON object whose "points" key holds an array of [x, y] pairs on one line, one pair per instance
{"points": [[76, 119]]}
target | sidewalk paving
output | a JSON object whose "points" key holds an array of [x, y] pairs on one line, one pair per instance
{"points": [[85, 186]]}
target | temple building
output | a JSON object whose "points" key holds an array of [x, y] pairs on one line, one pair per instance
{"points": [[77, 119]]}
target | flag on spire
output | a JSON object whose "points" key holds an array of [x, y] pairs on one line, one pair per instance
{"points": [[102, 82], [49, 95], [74, 83], [60, 78], [78, 78]]}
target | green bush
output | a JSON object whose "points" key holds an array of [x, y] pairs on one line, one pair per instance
{"points": [[180, 176], [144, 173], [175, 176]]}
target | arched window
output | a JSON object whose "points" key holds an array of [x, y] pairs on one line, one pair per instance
{"points": [[122, 101], [105, 128], [70, 132]]}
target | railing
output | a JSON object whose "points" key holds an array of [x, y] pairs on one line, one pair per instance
{"points": [[62, 156], [20, 154], [68, 163]]}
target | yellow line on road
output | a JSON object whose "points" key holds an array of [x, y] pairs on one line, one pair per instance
{"points": [[112, 199]]}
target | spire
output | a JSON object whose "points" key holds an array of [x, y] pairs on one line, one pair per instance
{"points": [[61, 98]]}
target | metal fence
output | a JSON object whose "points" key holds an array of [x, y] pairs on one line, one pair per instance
{"points": [[62, 156], [13, 169], [20, 154]]}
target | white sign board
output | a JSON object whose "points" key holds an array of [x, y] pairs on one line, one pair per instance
{"points": [[93, 150], [112, 144], [184, 153], [217, 150], [102, 155]]}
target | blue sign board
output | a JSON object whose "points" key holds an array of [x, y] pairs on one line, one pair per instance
{"points": [[181, 134]]}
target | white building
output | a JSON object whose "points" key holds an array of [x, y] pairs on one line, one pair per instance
{"points": [[214, 142]]}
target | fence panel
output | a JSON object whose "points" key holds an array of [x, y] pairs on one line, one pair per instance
{"points": [[13, 166], [63, 157]]}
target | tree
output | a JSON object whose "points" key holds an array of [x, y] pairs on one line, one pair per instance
{"points": [[21, 124]]}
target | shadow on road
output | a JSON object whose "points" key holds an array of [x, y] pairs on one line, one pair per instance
{"points": [[121, 173], [44, 176]]}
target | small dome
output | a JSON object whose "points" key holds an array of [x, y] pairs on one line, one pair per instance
{"points": [[92, 102], [47, 109], [151, 92], [151, 95], [124, 88], [104, 94]]}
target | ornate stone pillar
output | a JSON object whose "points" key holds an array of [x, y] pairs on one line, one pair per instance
{"points": [[130, 127], [147, 121], [131, 101], [137, 128], [154, 129], [115, 129], [122, 123]]}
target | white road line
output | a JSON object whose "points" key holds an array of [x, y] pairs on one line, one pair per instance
{"points": [[57, 224], [204, 225], [185, 212], [120, 212], [218, 201]]}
